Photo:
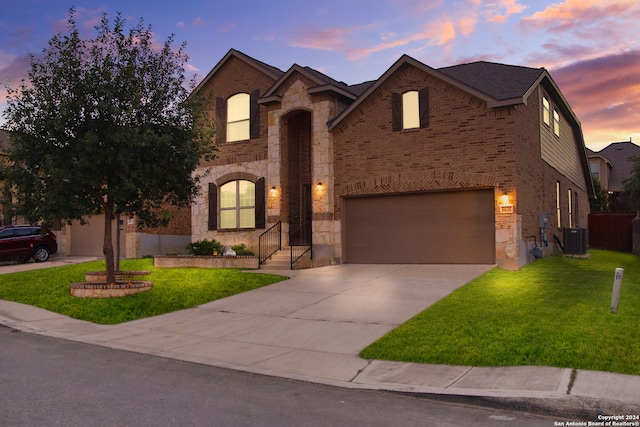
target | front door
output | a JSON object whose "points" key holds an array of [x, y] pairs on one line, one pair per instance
{"points": [[298, 176]]}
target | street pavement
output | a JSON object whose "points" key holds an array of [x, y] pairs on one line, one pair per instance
{"points": [[313, 326]]}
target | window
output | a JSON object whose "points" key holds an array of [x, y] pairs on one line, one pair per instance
{"points": [[546, 111], [556, 122], [595, 169], [570, 207], [558, 212], [410, 110], [238, 199], [238, 117], [237, 205], [575, 209]]}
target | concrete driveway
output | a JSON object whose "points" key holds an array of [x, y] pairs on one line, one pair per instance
{"points": [[313, 325]]}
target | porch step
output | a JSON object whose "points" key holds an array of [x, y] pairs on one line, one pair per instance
{"points": [[281, 260]]}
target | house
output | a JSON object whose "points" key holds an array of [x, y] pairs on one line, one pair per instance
{"points": [[474, 163], [611, 166]]}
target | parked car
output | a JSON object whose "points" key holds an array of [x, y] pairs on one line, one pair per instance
{"points": [[23, 242]]}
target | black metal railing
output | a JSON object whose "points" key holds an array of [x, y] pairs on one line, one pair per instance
{"points": [[301, 242], [270, 242]]}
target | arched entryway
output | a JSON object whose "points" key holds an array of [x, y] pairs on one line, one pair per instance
{"points": [[296, 175]]}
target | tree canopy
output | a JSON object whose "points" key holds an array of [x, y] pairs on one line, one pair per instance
{"points": [[631, 192], [601, 201], [106, 125]]}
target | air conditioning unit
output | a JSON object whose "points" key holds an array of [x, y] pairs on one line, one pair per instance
{"points": [[575, 241]]}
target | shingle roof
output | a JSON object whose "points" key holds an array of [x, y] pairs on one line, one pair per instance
{"points": [[357, 89], [499, 81], [618, 153]]}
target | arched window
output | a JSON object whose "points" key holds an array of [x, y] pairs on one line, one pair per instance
{"points": [[238, 117], [238, 205]]}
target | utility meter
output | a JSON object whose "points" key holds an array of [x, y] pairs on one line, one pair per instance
{"points": [[544, 220]]}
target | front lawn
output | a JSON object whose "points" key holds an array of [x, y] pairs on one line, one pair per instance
{"points": [[173, 289], [554, 312]]}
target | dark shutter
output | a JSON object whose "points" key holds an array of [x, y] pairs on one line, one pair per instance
{"points": [[260, 204], [213, 207], [396, 112], [221, 119], [423, 96], [254, 114]]}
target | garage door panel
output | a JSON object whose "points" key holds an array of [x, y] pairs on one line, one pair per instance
{"points": [[451, 227]]}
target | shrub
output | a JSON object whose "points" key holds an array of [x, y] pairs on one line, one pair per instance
{"points": [[242, 249], [204, 247]]}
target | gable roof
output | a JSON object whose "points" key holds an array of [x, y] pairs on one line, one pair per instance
{"points": [[323, 83], [271, 71], [497, 84], [618, 154]]}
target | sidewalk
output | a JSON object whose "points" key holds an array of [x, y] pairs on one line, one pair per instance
{"points": [[313, 326]]}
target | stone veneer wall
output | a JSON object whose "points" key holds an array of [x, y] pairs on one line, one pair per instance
{"points": [[322, 106], [200, 207]]}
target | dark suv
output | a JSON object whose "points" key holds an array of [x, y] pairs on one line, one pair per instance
{"points": [[23, 242]]}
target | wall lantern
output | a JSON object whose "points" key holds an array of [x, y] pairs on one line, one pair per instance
{"points": [[273, 192], [505, 205], [319, 186]]}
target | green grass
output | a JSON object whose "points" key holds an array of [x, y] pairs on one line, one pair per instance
{"points": [[173, 289], [554, 312]]}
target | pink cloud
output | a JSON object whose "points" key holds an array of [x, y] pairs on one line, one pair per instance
{"points": [[332, 39], [605, 95], [507, 8], [576, 14], [440, 33]]}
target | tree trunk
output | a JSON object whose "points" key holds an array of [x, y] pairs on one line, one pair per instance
{"points": [[107, 249], [117, 267]]}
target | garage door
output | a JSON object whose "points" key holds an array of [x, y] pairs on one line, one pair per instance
{"points": [[88, 239], [456, 227]]}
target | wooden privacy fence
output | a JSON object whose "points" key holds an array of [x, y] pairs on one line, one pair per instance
{"points": [[611, 230]]}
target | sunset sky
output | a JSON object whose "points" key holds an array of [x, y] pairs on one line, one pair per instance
{"points": [[590, 47]]}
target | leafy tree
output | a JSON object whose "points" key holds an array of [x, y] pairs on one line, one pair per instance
{"points": [[601, 202], [631, 191], [106, 125]]}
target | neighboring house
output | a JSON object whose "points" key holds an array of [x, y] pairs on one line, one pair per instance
{"points": [[423, 165], [135, 241], [611, 166], [87, 239]]}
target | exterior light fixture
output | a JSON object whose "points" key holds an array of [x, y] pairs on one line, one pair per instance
{"points": [[505, 205], [273, 192], [319, 186]]}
